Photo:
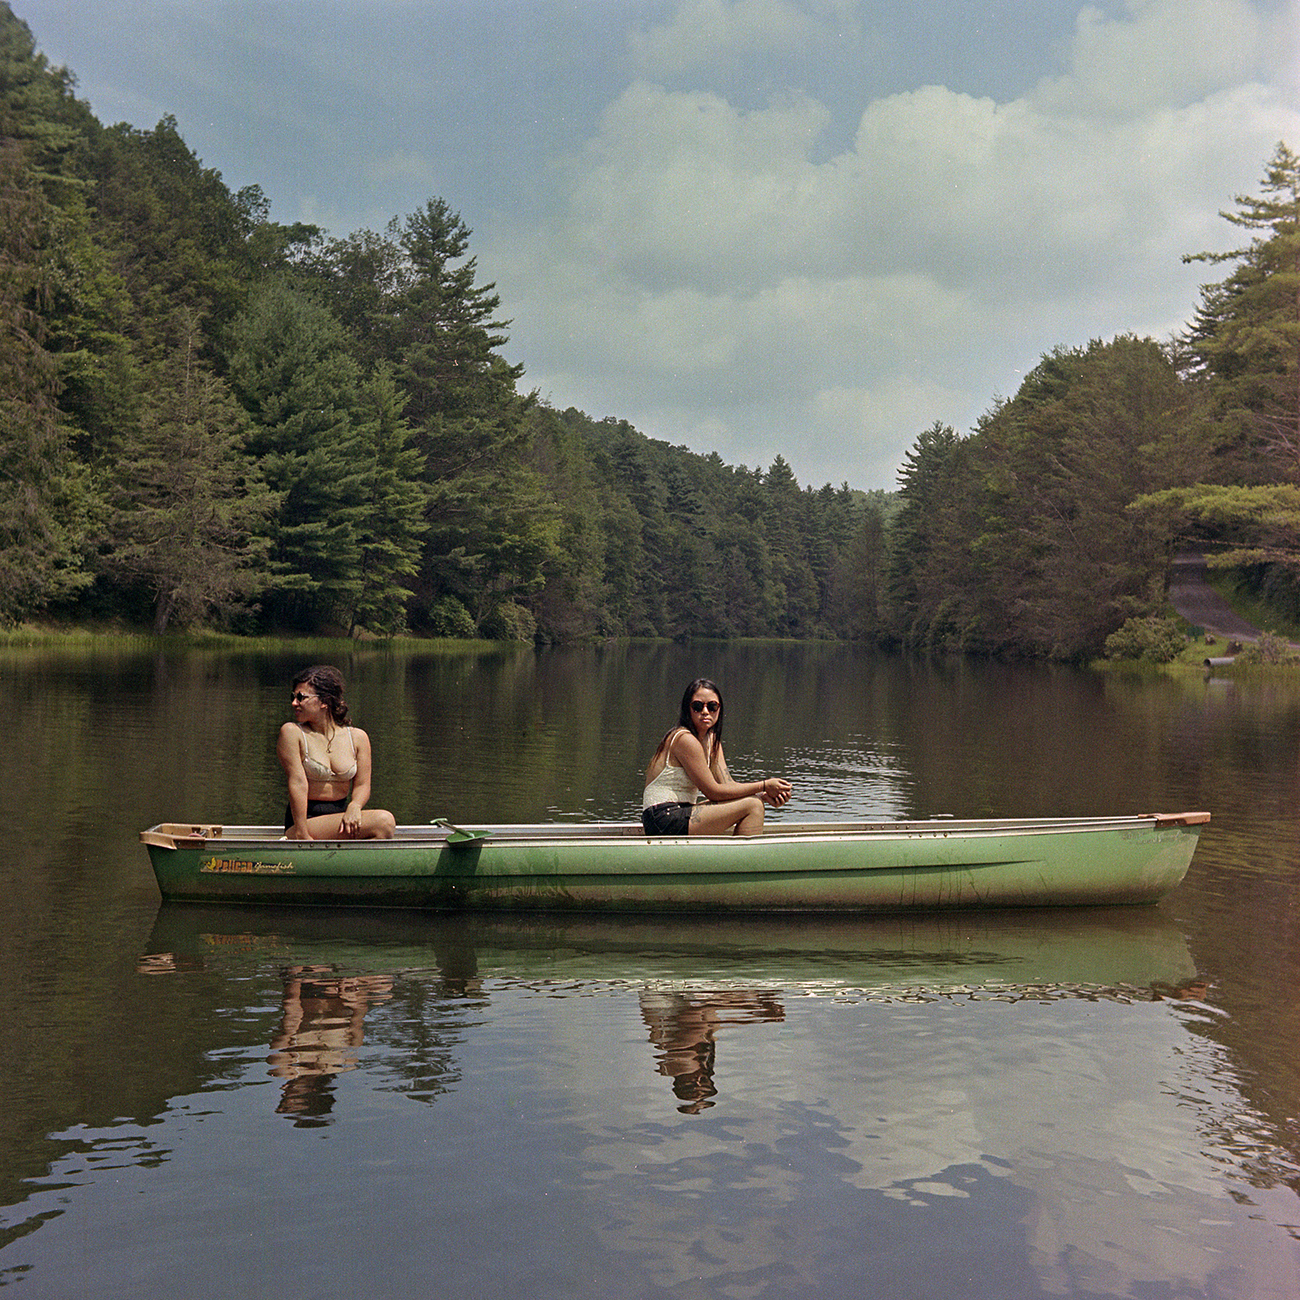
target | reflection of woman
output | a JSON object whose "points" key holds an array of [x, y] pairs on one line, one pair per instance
{"points": [[321, 1027], [327, 763], [689, 765], [684, 1027]]}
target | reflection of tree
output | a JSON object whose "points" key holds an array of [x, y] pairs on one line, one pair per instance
{"points": [[321, 1026], [683, 1026]]}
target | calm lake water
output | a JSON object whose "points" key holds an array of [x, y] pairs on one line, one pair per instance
{"points": [[209, 1103]]}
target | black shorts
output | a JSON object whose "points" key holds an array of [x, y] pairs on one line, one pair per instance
{"points": [[317, 808], [667, 819]]}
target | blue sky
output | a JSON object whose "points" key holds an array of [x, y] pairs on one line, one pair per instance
{"points": [[757, 227]]}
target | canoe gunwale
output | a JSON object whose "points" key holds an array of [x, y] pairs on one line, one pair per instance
{"points": [[173, 835]]}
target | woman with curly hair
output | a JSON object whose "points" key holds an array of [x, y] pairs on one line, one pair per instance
{"points": [[327, 762]]}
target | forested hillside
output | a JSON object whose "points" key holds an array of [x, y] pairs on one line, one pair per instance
{"points": [[210, 419], [1055, 521]]}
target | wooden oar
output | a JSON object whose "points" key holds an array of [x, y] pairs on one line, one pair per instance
{"points": [[458, 834]]}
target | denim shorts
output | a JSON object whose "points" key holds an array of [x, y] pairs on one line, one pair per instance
{"points": [[667, 819]]}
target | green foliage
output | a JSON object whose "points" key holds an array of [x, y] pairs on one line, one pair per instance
{"points": [[1243, 347], [929, 554], [189, 503], [1019, 540], [1268, 598], [1269, 649], [289, 365], [446, 616], [509, 622], [1257, 525], [45, 507], [1151, 640], [172, 231], [392, 524]]}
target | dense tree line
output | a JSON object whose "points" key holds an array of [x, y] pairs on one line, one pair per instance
{"points": [[211, 419]]}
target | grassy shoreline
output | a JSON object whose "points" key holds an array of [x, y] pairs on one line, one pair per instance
{"points": [[118, 636]]}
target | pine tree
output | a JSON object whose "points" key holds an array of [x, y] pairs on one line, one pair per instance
{"points": [[190, 506], [290, 368], [1244, 344], [393, 523], [44, 506]]}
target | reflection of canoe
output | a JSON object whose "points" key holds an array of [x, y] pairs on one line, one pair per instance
{"points": [[1064, 950], [828, 866]]}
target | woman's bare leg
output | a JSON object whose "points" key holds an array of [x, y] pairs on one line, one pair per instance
{"points": [[376, 824], [735, 817]]}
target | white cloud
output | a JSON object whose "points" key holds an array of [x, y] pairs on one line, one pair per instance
{"points": [[756, 225], [716, 254], [1164, 52], [680, 183], [862, 434]]}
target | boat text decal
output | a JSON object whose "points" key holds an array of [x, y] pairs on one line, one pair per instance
{"points": [[246, 868]]}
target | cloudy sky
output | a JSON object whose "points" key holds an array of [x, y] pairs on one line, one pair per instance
{"points": [[757, 227]]}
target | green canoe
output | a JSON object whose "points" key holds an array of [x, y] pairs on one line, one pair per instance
{"points": [[615, 867]]}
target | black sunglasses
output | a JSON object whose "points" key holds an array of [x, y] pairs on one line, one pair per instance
{"points": [[700, 706], [297, 697]]}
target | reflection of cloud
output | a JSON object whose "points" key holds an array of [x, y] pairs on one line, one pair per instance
{"points": [[1090, 1113], [1070, 1137]]}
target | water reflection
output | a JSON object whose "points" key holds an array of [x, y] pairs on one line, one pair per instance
{"points": [[1126, 951], [684, 1027], [322, 1025], [691, 980], [712, 1107]]}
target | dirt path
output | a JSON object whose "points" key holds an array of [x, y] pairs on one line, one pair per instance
{"points": [[1200, 604]]}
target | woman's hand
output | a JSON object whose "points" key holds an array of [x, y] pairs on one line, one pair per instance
{"points": [[350, 827], [776, 791]]}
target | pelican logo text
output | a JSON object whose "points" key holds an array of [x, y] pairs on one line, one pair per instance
{"points": [[239, 867]]}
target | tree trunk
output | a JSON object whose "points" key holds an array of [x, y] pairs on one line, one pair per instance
{"points": [[163, 611]]}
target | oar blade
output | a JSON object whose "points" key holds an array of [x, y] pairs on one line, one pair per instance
{"points": [[458, 835]]}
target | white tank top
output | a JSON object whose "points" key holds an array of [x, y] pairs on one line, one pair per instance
{"points": [[672, 785]]}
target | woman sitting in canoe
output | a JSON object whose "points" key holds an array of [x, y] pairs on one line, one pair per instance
{"points": [[327, 762], [690, 767]]}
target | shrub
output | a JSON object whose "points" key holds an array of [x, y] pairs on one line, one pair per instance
{"points": [[1149, 640], [1269, 649], [448, 617], [509, 622]]}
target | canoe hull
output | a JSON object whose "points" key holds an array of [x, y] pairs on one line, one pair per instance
{"points": [[827, 867]]}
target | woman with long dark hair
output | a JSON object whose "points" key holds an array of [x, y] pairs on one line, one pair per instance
{"points": [[688, 790], [327, 762]]}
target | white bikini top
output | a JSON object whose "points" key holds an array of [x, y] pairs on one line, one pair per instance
{"points": [[318, 771]]}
